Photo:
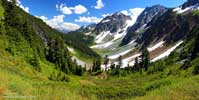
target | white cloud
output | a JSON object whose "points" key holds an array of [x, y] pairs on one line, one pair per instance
{"points": [[18, 3], [26, 9], [64, 9], [57, 22], [44, 18], [68, 26], [79, 9], [99, 5], [88, 19]]}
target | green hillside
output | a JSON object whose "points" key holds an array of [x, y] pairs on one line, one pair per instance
{"points": [[27, 43]]}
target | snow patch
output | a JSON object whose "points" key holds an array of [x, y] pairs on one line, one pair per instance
{"points": [[101, 46], [167, 53], [101, 36], [71, 50], [120, 54], [105, 21], [129, 61], [132, 42], [156, 46], [141, 28], [87, 34], [103, 67], [125, 62], [79, 62]]}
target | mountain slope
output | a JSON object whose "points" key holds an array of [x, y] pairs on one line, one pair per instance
{"points": [[142, 22], [170, 27]]}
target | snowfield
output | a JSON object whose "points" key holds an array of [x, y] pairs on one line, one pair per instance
{"points": [[167, 53]]}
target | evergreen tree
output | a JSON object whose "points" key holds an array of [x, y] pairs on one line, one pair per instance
{"points": [[112, 66], [136, 65], [120, 62], [94, 65], [106, 61], [145, 59], [195, 50], [79, 71], [98, 64]]}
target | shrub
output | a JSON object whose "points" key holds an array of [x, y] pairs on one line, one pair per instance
{"points": [[196, 70], [59, 77]]}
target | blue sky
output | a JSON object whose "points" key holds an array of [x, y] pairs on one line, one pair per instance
{"points": [[83, 12]]}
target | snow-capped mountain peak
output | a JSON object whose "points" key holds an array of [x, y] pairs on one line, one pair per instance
{"points": [[115, 26]]}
